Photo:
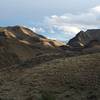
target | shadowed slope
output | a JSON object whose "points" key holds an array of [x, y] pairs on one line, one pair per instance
{"points": [[88, 39]]}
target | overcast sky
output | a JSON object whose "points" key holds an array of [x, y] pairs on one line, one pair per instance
{"points": [[58, 19]]}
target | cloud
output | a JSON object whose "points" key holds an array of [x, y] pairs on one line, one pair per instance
{"points": [[70, 24], [69, 29], [96, 9], [37, 29], [73, 23]]}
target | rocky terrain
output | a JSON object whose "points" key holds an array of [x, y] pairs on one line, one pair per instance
{"points": [[87, 39], [34, 67]]}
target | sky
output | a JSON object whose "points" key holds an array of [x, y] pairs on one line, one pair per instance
{"points": [[56, 19]]}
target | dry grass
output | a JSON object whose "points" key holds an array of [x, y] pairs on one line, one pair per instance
{"points": [[73, 78]]}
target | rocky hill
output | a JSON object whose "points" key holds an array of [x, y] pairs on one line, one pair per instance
{"points": [[88, 39], [18, 44]]}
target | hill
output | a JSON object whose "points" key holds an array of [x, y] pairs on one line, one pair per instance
{"points": [[21, 44], [87, 39]]}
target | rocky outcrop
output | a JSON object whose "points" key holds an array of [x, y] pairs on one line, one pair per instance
{"points": [[90, 38]]}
